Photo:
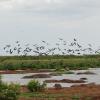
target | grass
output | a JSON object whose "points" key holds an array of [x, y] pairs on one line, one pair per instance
{"points": [[51, 96], [49, 62], [43, 96]]}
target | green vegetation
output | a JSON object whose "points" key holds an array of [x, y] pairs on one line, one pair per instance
{"points": [[75, 97], [44, 96], [9, 92], [49, 62], [50, 96], [54, 96], [59, 71], [35, 86]]}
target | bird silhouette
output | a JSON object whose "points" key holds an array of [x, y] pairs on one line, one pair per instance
{"points": [[75, 39], [62, 47], [60, 39], [10, 51]]}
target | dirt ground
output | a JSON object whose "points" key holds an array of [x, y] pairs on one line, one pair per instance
{"points": [[24, 71], [84, 92]]}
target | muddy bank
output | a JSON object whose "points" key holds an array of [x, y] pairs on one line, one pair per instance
{"points": [[25, 71], [65, 81], [84, 92], [38, 76], [86, 73], [85, 85]]}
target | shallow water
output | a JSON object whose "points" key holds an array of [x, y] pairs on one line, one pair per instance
{"points": [[18, 78]]}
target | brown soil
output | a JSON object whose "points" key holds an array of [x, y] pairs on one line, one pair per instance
{"points": [[83, 78], [38, 76], [65, 81], [91, 91], [87, 73], [25, 71]]}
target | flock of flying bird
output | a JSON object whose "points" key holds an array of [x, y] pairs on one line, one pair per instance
{"points": [[60, 48]]}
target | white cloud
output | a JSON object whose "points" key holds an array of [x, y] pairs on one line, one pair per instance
{"points": [[61, 6], [48, 16]]}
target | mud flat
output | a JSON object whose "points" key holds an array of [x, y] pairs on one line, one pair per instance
{"points": [[82, 92], [65, 81]]}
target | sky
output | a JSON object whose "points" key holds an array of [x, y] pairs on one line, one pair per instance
{"points": [[35, 20]]}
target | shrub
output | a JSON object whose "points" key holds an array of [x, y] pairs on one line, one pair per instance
{"points": [[35, 86], [14, 87], [9, 92], [3, 86]]}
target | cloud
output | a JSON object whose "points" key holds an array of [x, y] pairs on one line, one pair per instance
{"points": [[49, 3], [62, 13], [48, 16], [51, 6]]}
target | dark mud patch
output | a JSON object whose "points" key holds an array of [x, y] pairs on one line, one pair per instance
{"points": [[38, 76], [65, 81], [86, 73]]}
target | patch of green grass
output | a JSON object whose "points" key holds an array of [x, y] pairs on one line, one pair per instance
{"points": [[76, 97], [51, 96], [49, 62], [43, 96]]}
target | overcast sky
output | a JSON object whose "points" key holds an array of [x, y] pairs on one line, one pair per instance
{"points": [[35, 20]]}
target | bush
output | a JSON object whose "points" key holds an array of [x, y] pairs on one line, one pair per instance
{"points": [[35, 86], [9, 92], [3, 86], [14, 87]]}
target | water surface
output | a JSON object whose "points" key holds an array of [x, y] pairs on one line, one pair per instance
{"points": [[18, 78]]}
